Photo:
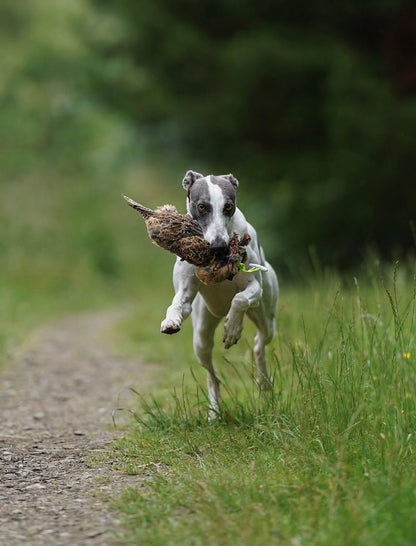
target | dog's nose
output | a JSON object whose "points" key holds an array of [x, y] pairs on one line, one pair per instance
{"points": [[219, 244]]}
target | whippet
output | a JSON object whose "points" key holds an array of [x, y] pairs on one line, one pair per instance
{"points": [[211, 200]]}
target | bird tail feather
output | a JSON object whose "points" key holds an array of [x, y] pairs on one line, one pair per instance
{"points": [[144, 211]]}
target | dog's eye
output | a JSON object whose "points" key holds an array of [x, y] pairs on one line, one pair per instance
{"points": [[202, 207], [228, 207]]}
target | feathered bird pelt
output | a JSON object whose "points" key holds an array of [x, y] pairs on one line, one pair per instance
{"points": [[182, 235]]}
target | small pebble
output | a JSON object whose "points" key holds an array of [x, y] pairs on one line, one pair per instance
{"points": [[36, 486]]}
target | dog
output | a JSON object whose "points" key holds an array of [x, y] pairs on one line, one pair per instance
{"points": [[211, 201]]}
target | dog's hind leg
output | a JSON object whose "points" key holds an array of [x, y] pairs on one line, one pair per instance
{"points": [[265, 332], [204, 325], [263, 377], [266, 324]]}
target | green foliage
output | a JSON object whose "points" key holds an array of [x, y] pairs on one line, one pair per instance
{"points": [[299, 102], [312, 105], [67, 240], [72, 243], [327, 457]]}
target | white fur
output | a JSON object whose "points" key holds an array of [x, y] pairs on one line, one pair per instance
{"points": [[218, 228], [254, 294]]}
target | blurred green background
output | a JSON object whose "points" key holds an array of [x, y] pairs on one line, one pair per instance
{"points": [[311, 105]]}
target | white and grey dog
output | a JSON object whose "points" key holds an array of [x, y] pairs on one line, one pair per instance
{"points": [[211, 201]]}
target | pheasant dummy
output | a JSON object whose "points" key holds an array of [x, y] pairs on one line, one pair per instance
{"points": [[182, 235]]}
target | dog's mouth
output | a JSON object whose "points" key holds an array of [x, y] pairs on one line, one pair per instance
{"points": [[222, 254]]}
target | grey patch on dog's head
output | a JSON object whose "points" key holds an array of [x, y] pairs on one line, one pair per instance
{"points": [[228, 185], [190, 178], [199, 192], [212, 202], [231, 178]]}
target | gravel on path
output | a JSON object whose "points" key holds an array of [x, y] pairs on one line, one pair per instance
{"points": [[56, 405]]}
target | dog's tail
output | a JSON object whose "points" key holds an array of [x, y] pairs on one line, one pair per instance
{"points": [[144, 211]]}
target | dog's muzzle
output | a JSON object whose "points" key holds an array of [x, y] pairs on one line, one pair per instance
{"points": [[219, 245]]}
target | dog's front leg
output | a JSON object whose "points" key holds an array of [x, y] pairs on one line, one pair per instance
{"points": [[186, 287], [233, 326]]}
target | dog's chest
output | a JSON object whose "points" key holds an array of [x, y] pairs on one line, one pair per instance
{"points": [[218, 297]]}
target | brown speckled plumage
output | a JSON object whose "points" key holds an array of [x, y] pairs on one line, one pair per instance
{"points": [[182, 235], [225, 266]]}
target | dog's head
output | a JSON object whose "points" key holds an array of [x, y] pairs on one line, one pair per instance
{"points": [[211, 202]]}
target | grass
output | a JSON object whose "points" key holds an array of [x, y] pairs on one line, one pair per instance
{"points": [[326, 458], [70, 243]]}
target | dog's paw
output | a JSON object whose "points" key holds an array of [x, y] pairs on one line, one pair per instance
{"points": [[232, 331], [265, 383], [169, 326]]}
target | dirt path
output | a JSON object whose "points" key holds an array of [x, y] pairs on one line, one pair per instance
{"points": [[56, 408]]}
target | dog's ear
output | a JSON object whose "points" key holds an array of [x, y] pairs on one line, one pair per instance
{"points": [[190, 178], [232, 179]]}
